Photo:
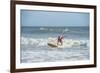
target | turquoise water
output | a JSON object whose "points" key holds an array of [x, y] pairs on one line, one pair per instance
{"points": [[34, 46]]}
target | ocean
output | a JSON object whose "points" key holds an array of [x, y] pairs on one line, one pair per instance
{"points": [[34, 44]]}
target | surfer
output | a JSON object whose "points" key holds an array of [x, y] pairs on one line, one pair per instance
{"points": [[59, 40]]}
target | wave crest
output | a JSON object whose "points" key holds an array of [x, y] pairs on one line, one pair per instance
{"points": [[43, 42]]}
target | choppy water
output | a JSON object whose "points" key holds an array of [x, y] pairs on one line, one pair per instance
{"points": [[34, 46]]}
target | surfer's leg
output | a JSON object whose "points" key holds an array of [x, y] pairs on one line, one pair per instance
{"points": [[57, 42], [61, 42]]}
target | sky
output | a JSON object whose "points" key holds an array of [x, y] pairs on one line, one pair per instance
{"points": [[53, 18]]}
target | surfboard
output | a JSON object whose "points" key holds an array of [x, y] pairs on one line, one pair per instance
{"points": [[52, 45]]}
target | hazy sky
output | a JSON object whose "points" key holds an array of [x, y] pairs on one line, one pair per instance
{"points": [[51, 18]]}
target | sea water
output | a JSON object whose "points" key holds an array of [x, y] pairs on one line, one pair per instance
{"points": [[34, 47]]}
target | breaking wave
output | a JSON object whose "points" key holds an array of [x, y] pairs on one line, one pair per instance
{"points": [[43, 42]]}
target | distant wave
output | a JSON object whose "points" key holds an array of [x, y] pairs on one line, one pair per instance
{"points": [[43, 42], [62, 30], [54, 29], [42, 28]]}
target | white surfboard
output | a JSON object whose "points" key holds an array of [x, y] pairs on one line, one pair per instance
{"points": [[55, 45], [52, 45]]}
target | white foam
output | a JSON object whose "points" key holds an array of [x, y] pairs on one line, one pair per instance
{"points": [[44, 41], [33, 41], [42, 28]]}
